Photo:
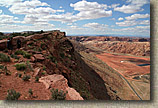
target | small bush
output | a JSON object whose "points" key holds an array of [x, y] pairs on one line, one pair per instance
{"points": [[24, 53], [6, 71], [58, 95], [29, 66], [30, 92], [62, 55], [43, 73], [27, 55], [20, 75], [1, 66], [13, 95], [26, 78], [53, 59], [4, 58], [19, 52], [15, 56], [36, 79], [21, 66], [44, 68]]}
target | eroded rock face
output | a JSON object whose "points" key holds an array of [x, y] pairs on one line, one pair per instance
{"points": [[3, 44], [38, 57], [59, 82]]}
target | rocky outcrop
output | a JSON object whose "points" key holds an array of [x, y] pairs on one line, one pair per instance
{"points": [[3, 44], [59, 82], [108, 38], [38, 57], [57, 34]]}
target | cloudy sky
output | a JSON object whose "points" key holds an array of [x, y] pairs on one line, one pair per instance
{"points": [[77, 17]]}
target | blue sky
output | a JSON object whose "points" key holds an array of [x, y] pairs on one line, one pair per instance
{"points": [[77, 17]]}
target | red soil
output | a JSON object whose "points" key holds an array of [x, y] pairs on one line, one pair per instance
{"points": [[128, 68], [8, 82]]}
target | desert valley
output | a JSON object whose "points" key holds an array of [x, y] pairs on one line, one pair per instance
{"points": [[48, 65]]}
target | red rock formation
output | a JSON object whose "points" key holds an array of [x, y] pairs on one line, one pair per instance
{"points": [[59, 82]]}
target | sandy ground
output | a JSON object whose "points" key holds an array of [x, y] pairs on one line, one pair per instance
{"points": [[126, 65]]}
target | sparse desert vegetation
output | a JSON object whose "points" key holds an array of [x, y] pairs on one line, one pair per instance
{"points": [[84, 73]]}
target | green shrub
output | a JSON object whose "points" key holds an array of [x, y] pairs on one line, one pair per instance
{"points": [[52, 58], [36, 79], [20, 66], [1, 66], [15, 56], [58, 95], [26, 78], [24, 53], [43, 73], [29, 66], [44, 68], [62, 55], [27, 55], [30, 92], [19, 52], [20, 75], [4, 58], [13, 95], [6, 71]]}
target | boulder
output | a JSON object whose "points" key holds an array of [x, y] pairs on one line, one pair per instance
{"points": [[72, 94], [59, 82], [3, 44], [38, 57], [36, 72], [32, 59], [54, 81]]}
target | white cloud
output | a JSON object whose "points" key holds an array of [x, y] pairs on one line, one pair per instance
{"points": [[96, 26], [144, 22], [113, 19], [19, 28], [60, 7], [133, 23], [137, 16], [68, 17], [120, 18], [138, 30], [90, 10], [69, 24], [7, 19], [134, 6], [34, 12], [1, 11], [8, 3], [114, 5]]}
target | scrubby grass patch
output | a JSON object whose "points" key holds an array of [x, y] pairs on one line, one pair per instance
{"points": [[4, 58], [1, 66], [21, 66], [13, 95], [26, 78], [15, 56], [28, 66], [24, 53], [36, 79], [58, 95], [52, 58], [30, 92]]}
